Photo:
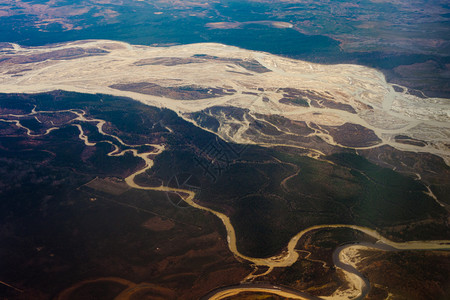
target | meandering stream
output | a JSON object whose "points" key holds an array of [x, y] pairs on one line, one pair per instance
{"points": [[285, 259]]}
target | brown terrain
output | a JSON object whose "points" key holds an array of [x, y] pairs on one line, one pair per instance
{"points": [[63, 54], [349, 109], [412, 274]]}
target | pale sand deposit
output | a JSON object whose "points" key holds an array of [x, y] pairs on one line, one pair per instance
{"points": [[378, 107]]}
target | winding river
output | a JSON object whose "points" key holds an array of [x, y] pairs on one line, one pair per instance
{"points": [[285, 259]]}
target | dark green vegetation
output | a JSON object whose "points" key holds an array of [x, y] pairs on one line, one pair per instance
{"points": [[434, 171], [275, 204], [137, 24], [295, 101], [407, 40]]}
